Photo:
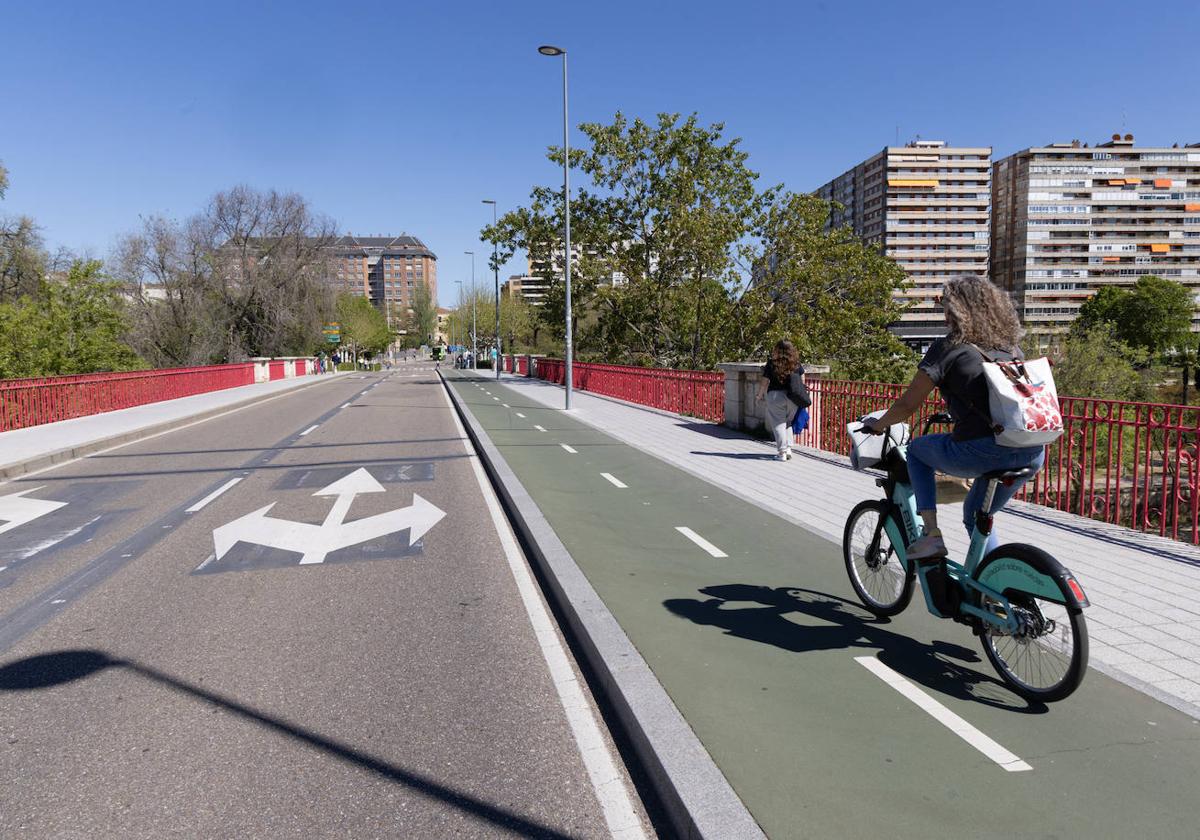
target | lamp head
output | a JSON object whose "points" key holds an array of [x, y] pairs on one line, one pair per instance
{"points": [[488, 201], [546, 49]]}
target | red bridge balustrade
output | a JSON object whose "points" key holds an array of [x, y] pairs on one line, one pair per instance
{"points": [[1130, 464], [699, 393], [31, 402]]}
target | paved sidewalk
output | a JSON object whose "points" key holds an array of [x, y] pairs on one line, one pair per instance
{"points": [[25, 450], [1144, 622]]}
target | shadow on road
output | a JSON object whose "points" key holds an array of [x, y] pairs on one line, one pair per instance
{"points": [[935, 666], [53, 669]]}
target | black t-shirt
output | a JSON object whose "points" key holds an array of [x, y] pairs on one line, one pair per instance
{"points": [[957, 370]]}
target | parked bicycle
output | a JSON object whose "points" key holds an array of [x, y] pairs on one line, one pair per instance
{"points": [[1025, 606]]}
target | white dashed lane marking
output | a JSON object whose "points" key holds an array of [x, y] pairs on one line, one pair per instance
{"points": [[569, 449], [700, 541], [614, 481], [539, 428], [956, 724], [309, 429], [200, 504]]}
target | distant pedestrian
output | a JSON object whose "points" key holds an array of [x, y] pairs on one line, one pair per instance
{"points": [[782, 386]]}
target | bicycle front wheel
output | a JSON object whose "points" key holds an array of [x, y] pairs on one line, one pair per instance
{"points": [[1046, 658], [879, 578]]}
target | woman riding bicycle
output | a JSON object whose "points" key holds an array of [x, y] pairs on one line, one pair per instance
{"points": [[980, 317]]}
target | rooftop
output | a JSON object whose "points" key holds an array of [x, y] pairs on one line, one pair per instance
{"points": [[402, 243]]}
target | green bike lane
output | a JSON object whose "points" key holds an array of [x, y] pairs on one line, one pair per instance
{"points": [[759, 651]]}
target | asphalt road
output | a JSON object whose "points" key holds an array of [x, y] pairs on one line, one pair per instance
{"points": [[157, 681], [751, 625]]}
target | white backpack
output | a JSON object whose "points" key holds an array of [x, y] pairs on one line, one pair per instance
{"points": [[1023, 401]]}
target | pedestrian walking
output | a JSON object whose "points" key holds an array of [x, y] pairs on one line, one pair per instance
{"points": [[782, 387]]}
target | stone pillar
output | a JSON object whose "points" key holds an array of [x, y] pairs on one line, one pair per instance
{"points": [[743, 410], [262, 369]]}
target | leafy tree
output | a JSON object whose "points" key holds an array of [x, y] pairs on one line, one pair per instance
{"points": [[1095, 362], [420, 321], [679, 261], [364, 327], [825, 290], [245, 277], [3, 180], [1155, 315], [74, 324], [23, 258], [664, 212]]}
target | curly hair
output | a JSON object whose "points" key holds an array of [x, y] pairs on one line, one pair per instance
{"points": [[785, 358], [979, 312]]}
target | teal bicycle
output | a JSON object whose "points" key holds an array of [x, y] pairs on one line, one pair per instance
{"points": [[1025, 606]]}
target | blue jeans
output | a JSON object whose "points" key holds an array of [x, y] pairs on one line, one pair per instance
{"points": [[966, 459]]}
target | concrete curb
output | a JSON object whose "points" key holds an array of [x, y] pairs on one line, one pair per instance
{"points": [[19, 468], [698, 800]]}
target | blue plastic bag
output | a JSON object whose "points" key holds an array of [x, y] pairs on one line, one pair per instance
{"points": [[800, 421]]}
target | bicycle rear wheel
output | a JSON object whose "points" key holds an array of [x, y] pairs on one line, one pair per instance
{"points": [[1046, 658], [876, 573]]}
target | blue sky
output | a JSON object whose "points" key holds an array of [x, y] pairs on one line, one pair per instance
{"points": [[402, 116]]}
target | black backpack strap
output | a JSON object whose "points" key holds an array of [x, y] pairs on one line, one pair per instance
{"points": [[987, 417]]}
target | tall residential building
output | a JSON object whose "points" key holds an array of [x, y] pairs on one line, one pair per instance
{"points": [[1069, 220], [385, 270], [925, 205], [527, 287]]}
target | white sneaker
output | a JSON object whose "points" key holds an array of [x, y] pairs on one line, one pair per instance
{"points": [[781, 457]]}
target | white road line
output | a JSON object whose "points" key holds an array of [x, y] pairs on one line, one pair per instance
{"points": [[506, 405], [614, 481], [212, 495], [949, 719], [309, 429], [569, 449], [539, 428], [497, 399], [522, 416], [347, 405], [597, 759], [700, 541]]}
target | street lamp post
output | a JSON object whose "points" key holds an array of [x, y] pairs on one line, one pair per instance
{"points": [[552, 51], [474, 325], [496, 273], [458, 309]]}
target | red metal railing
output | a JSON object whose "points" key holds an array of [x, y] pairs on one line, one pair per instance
{"points": [[276, 369], [699, 393], [31, 402], [1130, 464]]}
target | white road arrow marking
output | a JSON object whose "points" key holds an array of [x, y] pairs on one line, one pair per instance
{"points": [[314, 542], [16, 510]]}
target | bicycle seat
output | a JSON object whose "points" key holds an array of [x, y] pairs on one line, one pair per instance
{"points": [[1009, 476]]}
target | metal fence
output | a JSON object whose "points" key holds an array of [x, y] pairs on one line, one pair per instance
{"points": [[31, 402], [1130, 464], [698, 393]]}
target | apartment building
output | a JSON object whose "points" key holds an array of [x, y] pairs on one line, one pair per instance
{"points": [[384, 269], [925, 205], [526, 287], [1069, 220]]}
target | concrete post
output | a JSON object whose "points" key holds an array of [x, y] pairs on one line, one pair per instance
{"points": [[743, 410]]}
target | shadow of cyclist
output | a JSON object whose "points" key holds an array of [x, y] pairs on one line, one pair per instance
{"points": [[935, 666]]}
